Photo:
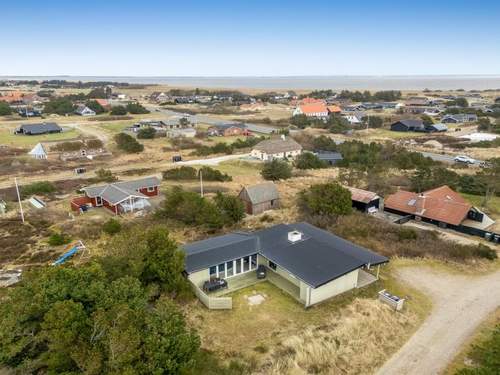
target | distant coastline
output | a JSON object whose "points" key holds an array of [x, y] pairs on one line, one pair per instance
{"points": [[415, 82]]}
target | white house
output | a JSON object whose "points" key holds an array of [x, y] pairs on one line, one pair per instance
{"points": [[317, 109], [83, 110], [280, 148]]}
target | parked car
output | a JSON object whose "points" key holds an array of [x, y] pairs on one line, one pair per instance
{"points": [[176, 158], [464, 159], [261, 272]]}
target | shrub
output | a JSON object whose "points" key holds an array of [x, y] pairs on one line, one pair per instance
{"points": [[67, 146], [128, 143], [136, 108], [146, 133], [407, 234], [180, 173], [308, 160], [112, 226], [326, 199], [41, 187], [218, 148], [119, 110], [58, 239], [483, 251], [375, 122], [210, 174], [94, 143], [104, 175], [95, 106], [60, 106], [5, 109], [276, 170], [231, 207]]}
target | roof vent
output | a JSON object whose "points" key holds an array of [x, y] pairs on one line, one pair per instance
{"points": [[294, 236]]}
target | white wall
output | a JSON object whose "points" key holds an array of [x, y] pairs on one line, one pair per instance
{"points": [[199, 277], [334, 287]]}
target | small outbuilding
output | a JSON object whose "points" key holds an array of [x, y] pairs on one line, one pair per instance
{"points": [[259, 198], [364, 200], [329, 157]]}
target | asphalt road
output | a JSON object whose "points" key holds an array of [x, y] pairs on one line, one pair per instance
{"points": [[443, 158]]}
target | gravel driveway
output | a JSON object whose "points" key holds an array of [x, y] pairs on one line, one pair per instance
{"points": [[460, 303]]}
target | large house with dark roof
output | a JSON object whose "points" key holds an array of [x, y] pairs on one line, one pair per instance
{"points": [[409, 125], [310, 264], [119, 197], [39, 128]]}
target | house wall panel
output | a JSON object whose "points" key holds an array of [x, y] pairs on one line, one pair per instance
{"points": [[334, 287]]}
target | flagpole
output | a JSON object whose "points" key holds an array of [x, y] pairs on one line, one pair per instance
{"points": [[19, 199]]}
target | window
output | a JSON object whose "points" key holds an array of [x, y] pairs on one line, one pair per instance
{"points": [[272, 265], [229, 269], [246, 264], [222, 270], [238, 266], [254, 262], [213, 272], [98, 201], [151, 189]]}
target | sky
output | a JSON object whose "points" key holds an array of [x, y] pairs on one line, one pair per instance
{"points": [[249, 38]]}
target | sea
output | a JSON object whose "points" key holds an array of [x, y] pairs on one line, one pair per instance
{"points": [[416, 82]]}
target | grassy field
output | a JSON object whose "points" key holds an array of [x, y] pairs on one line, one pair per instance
{"points": [[279, 336], [482, 334], [388, 134], [114, 127], [7, 137]]}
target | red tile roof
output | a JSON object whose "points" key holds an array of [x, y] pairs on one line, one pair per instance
{"points": [[311, 101], [334, 109], [313, 108], [441, 204]]}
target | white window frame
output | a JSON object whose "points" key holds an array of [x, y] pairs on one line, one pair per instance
{"points": [[98, 201], [150, 189]]}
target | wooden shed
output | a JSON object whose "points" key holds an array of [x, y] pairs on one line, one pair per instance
{"points": [[259, 198]]}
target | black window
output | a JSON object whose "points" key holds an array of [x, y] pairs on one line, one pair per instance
{"points": [[272, 265]]}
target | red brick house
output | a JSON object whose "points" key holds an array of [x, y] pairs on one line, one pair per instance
{"points": [[119, 197]]}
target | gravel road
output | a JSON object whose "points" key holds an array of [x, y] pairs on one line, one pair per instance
{"points": [[460, 304]]}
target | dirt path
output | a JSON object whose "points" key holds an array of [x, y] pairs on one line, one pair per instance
{"points": [[460, 304]]}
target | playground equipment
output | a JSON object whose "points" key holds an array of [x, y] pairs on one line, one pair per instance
{"points": [[75, 248]]}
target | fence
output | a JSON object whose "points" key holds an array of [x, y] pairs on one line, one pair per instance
{"points": [[213, 303]]}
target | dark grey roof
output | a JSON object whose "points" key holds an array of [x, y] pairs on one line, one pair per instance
{"points": [[437, 127], [220, 249], [264, 192], [40, 128], [119, 191], [410, 123], [329, 155], [316, 259], [278, 145]]}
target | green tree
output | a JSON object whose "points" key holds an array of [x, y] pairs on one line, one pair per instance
{"points": [[427, 120], [118, 110], [97, 93], [136, 108], [490, 178], [308, 160], [95, 106], [326, 199], [60, 106], [5, 109], [300, 121], [276, 170], [231, 208], [375, 122], [128, 143], [146, 133]]}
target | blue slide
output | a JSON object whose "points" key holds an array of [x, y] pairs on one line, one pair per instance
{"points": [[63, 258]]}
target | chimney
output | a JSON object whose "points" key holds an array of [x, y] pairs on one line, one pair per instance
{"points": [[294, 236], [283, 137]]}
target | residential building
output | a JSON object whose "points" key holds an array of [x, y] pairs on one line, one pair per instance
{"points": [[436, 128], [354, 118], [228, 130], [441, 206], [83, 110], [408, 125], [119, 197], [278, 148], [39, 128], [315, 109], [310, 264], [459, 118], [259, 198]]}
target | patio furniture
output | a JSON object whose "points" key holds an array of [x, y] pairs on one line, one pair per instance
{"points": [[214, 284], [261, 272]]}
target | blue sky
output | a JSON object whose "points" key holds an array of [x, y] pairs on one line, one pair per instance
{"points": [[234, 38]]}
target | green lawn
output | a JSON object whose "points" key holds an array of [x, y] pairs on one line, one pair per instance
{"points": [[239, 168], [7, 137], [386, 133], [493, 205]]}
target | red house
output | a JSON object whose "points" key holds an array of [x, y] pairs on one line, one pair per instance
{"points": [[119, 197]]}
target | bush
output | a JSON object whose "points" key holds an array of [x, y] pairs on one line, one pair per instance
{"points": [[119, 110], [136, 109], [41, 187], [308, 160], [276, 170], [180, 173], [326, 199], [483, 251], [58, 239], [5, 109], [104, 175], [407, 234], [60, 106], [94, 143], [146, 133], [128, 143], [112, 226], [218, 148], [210, 174], [68, 146], [231, 207]]}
